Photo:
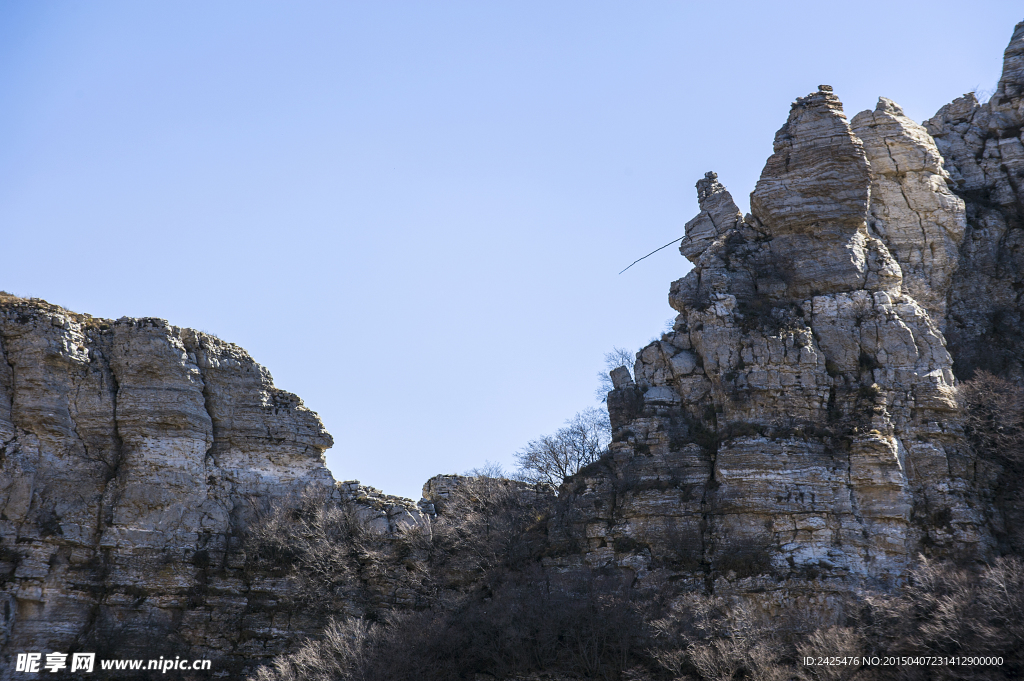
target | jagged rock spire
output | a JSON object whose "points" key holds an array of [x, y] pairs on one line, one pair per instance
{"points": [[1011, 84], [718, 214], [818, 174], [983, 150], [797, 396], [912, 210]]}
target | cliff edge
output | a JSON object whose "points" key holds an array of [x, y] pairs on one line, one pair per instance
{"points": [[131, 453]]}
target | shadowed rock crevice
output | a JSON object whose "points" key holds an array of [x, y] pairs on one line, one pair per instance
{"points": [[983, 150]]}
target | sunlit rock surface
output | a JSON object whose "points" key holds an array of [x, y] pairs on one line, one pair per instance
{"points": [[795, 437], [131, 454], [983, 150]]}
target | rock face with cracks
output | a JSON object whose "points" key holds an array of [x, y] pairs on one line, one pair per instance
{"points": [[912, 210], [132, 453], [796, 435], [983, 149]]}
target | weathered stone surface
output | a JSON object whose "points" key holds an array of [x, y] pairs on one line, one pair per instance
{"points": [[796, 434], [718, 214], [912, 211], [817, 179], [132, 453], [1011, 82], [812, 201], [983, 149]]}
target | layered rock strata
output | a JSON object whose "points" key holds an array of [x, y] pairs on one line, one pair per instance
{"points": [[983, 148], [796, 435], [912, 209], [132, 455]]}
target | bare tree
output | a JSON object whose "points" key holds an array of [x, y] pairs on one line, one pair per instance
{"points": [[994, 425], [618, 357], [553, 458], [342, 653], [490, 469]]}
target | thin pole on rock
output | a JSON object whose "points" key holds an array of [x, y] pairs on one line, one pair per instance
{"points": [[652, 253]]}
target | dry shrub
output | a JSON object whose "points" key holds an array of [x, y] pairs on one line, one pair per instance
{"points": [[952, 611], [944, 610], [489, 525], [341, 654], [330, 551], [336, 557], [707, 637], [517, 628], [597, 628], [521, 627], [994, 417], [838, 641], [993, 411]]}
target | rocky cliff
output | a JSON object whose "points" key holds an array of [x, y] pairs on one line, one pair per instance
{"points": [[132, 454], [796, 437], [983, 153], [797, 434]]}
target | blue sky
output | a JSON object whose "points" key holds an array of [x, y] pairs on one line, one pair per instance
{"points": [[414, 213]]}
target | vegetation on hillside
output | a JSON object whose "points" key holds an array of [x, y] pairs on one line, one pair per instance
{"points": [[500, 615]]}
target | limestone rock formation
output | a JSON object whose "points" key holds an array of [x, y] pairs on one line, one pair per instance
{"points": [[912, 210], [718, 213], [796, 435], [983, 148], [132, 453]]}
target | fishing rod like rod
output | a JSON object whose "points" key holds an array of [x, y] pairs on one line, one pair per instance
{"points": [[652, 253]]}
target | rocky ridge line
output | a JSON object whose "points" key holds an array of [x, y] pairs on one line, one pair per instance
{"points": [[133, 453], [796, 436]]}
